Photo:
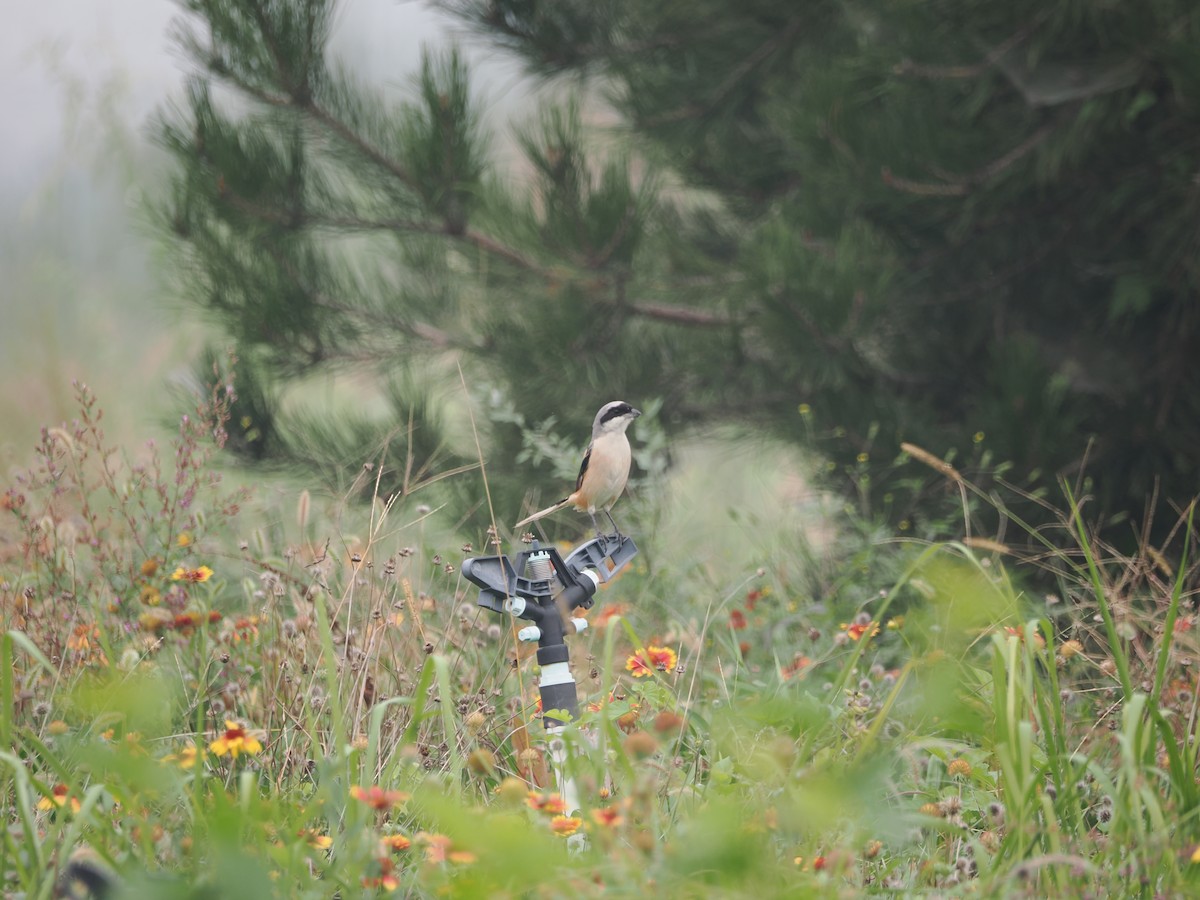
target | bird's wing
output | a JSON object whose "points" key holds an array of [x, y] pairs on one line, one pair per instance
{"points": [[583, 467]]}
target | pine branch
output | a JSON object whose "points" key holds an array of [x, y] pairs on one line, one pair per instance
{"points": [[961, 185]]}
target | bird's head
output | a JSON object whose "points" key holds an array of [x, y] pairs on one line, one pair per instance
{"points": [[614, 416]]}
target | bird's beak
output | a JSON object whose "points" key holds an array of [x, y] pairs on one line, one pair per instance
{"points": [[636, 412]]}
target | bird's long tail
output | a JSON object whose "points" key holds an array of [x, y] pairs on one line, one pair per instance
{"points": [[545, 512]]}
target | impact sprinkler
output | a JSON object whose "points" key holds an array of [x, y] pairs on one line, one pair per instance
{"points": [[542, 588]]}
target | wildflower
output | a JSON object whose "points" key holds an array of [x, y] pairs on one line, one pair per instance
{"points": [[57, 727], [1070, 648], [1019, 634], [662, 658], [872, 849], [81, 637], [185, 758], [931, 809], [667, 722], [737, 620], [481, 761], [552, 804], [193, 576], [819, 863], [385, 876], [377, 798], [60, 795], [315, 839], [235, 740], [439, 848], [185, 621], [244, 629], [638, 666], [565, 826], [959, 767], [856, 630], [184, 539], [610, 613], [511, 791], [1196, 854], [795, 667], [155, 619], [895, 623], [150, 567], [753, 596], [607, 816], [396, 842], [640, 745], [150, 595]]}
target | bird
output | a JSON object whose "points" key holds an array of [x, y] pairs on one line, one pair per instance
{"points": [[605, 467]]}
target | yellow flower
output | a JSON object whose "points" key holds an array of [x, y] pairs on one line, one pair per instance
{"points": [[184, 539], [565, 826], [195, 576], [185, 758], [59, 796], [315, 839], [235, 740]]}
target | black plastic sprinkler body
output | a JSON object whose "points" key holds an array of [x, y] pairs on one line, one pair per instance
{"points": [[542, 587]]}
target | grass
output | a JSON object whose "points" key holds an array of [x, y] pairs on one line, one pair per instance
{"points": [[837, 716]]}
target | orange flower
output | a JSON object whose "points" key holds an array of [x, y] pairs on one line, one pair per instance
{"points": [[795, 667], [552, 804], [637, 664], [377, 798], [244, 629], [1019, 634], [235, 740], [396, 842], [737, 620], [565, 826], [185, 621], [608, 816], [315, 839], [60, 795], [609, 613], [80, 639], [642, 663], [384, 877], [439, 848], [194, 576], [857, 630]]}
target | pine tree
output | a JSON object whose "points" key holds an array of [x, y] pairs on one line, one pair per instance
{"points": [[970, 225]]}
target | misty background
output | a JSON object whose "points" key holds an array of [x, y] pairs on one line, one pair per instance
{"points": [[82, 295]]}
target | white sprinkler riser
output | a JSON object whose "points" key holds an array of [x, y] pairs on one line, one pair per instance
{"points": [[556, 673]]}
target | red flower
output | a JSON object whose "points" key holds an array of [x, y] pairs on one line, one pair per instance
{"points": [[737, 620], [377, 798]]}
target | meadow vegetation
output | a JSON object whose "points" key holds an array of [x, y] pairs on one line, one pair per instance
{"points": [[221, 695]]}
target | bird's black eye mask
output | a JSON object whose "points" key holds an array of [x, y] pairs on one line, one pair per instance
{"points": [[616, 412]]}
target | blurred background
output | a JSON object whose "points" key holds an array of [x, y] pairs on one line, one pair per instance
{"points": [[900, 239], [83, 291]]}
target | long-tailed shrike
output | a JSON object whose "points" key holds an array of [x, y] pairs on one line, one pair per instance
{"points": [[605, 466]]}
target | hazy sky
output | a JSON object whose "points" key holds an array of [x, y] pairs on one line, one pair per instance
{"points": [[57, 52], [79, 294]]}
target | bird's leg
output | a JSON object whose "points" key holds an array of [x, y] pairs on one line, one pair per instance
{"points": [[616, 530], [595, 524]]}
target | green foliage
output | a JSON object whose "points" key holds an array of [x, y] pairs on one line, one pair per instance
{"points": [[924, 222], [863, 719]]}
